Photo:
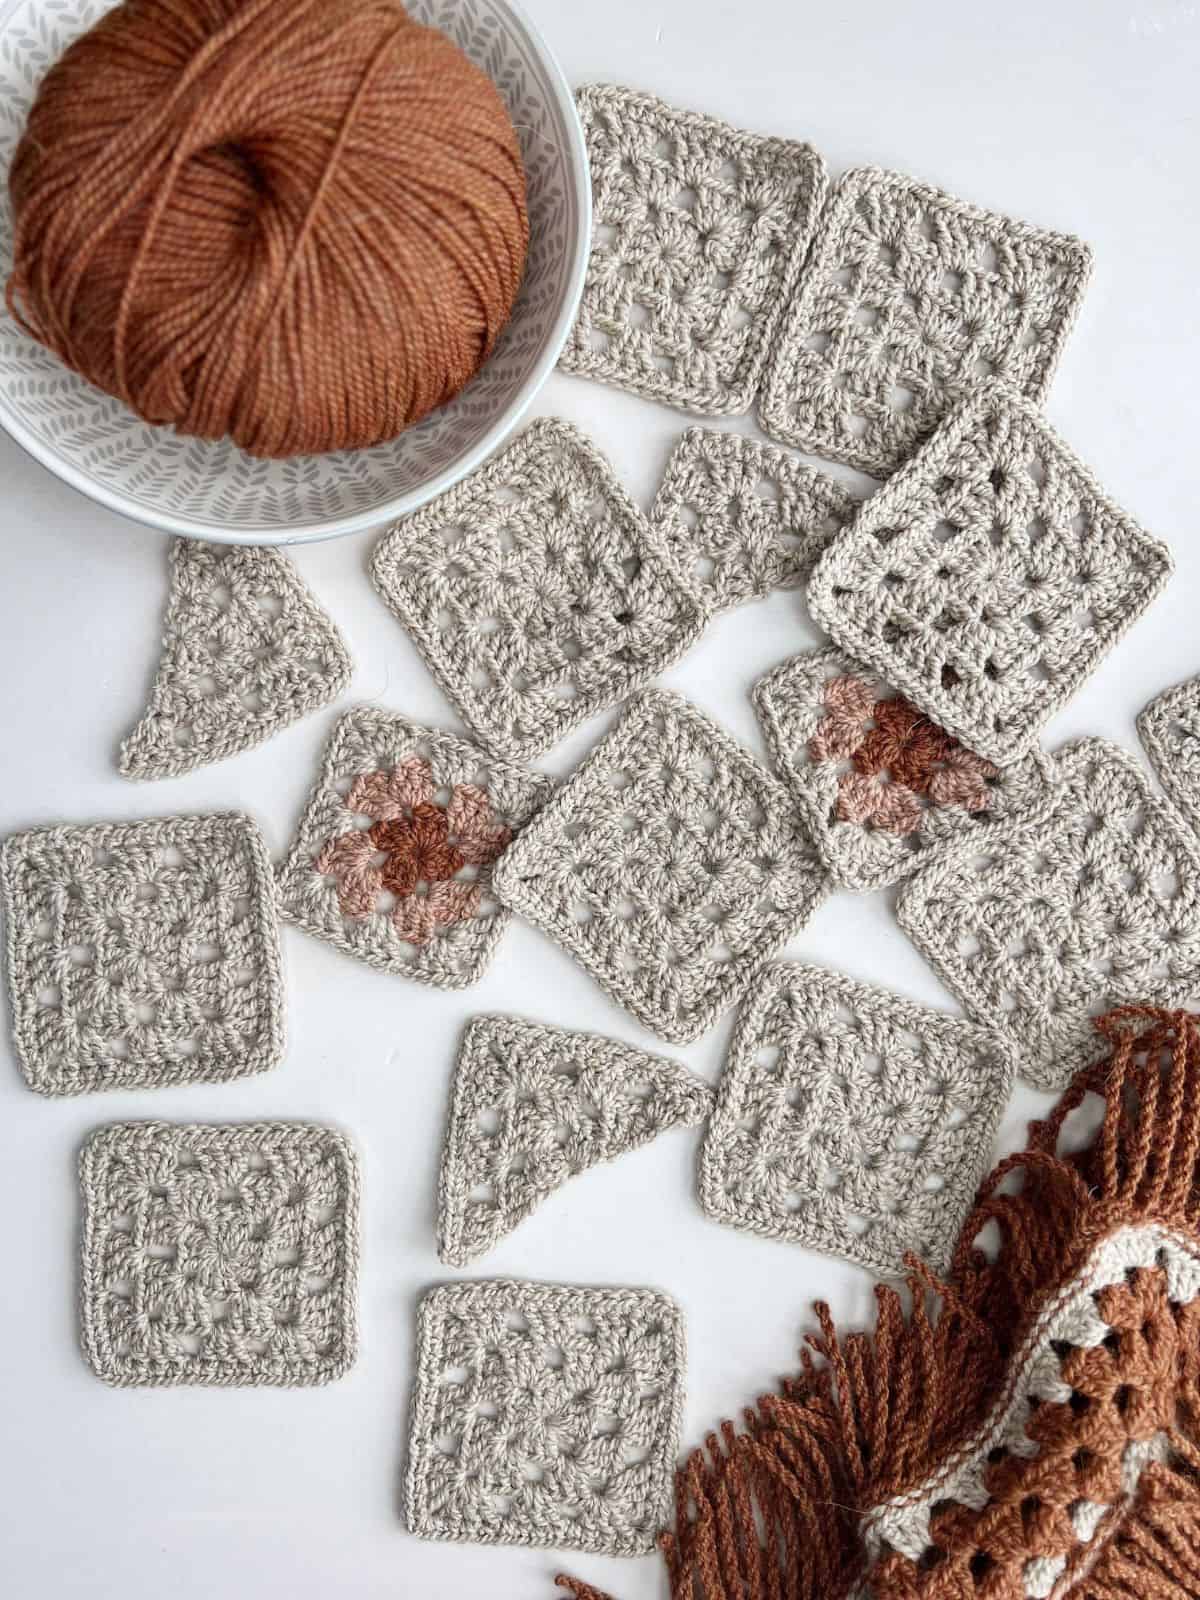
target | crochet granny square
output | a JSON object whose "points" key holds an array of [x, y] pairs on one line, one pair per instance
{"points": [[1056, 920], [671, 865], [536, 591], [741, 519], [851, 1121], [219, 1255], [392, 860], [910, 299], [534, 1105], [142, 953], [880, 786], [246, 650], [699, 231], [1170, 731], [545, 1415], [989, 576]]}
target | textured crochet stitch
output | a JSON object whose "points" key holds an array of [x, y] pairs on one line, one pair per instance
{"points": [[1025, 1428], [142, 953], [880, 786], [910, 299], [545, 1415], [699, 232], [392, 859], [1169, 728], [850, 1120], [1056, 918], [989, 576], [246, 650], [671, 865], [536, 591], [742, 519], [532, 1106], [219, 1254]]}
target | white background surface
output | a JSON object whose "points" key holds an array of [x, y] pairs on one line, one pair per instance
{"points": [[1077, 114]]}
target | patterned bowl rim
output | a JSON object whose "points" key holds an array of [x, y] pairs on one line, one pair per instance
{"points": [[487, 443]]}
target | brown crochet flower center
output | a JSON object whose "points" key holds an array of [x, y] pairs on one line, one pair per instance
{"points": [[901, 762], [424, 854]]}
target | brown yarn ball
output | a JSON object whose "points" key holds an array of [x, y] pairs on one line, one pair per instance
{"points": [[298, 223]]}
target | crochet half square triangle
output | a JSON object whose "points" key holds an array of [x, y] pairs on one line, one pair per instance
{"points": [[246, 651], [534, 1105]]}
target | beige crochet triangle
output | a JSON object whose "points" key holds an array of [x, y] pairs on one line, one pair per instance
{"points": [[246, 650], [534, 1105]]}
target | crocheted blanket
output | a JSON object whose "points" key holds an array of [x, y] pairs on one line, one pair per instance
{"points": [[1027, 1428]]}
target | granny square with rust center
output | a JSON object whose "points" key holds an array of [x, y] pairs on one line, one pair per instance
{"points": [[881, 786], [392, 859]]}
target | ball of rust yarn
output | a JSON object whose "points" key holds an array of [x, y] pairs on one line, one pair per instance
{"points": [[299, 223]]}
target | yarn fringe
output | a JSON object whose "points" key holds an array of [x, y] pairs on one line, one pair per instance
{"points": [[579, 1589], [1156, 1554], [771, 1511]]}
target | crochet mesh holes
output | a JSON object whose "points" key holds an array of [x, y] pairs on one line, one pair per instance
{"points": [[671, 866], [219, 1255], [536, 591], [698, 232], [1091, 1400], [851, 1121], [742, 519], [1170, 731], [1055, 921], [534, 1105], [880, 786], [142, 953], [911, 299], [392, 860], [246, 651], [545, 1416], [989, 576]]}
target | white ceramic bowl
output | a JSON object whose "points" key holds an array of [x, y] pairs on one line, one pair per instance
{"points": [[215, 491]]}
